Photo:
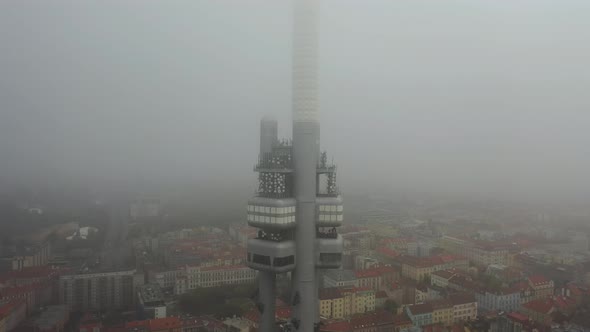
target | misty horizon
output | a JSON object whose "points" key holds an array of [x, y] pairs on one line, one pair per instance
{"points": [[485, 99]]}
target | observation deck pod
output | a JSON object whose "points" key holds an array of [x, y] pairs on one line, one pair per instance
{"points": [[329, 252], [272, 213], [279, 160], [329, 211], [272, 256]]}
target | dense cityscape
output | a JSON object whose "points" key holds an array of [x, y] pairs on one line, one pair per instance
{"points": [[404, 268], [141, 253]]}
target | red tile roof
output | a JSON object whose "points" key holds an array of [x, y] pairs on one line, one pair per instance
{"points": [[430, 261], [339, 326], [372, 319], [156, 324], [137, 324], [375, 271], [388, 252], [37, 272], [517, 316], [542, 306], [6, 308], [164, 323], [420, 309], [252, 315], [564, 303], [283, 313], [537, 280], [21, 290]]}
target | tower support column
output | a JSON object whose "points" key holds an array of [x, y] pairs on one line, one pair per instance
{"points": [[267, 287], [305, 156]]}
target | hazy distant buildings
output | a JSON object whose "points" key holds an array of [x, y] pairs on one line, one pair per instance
{"points": [[145, 208], [19, 257]]}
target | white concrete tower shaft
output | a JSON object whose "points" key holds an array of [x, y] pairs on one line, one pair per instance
{"points": [[306, 147]]}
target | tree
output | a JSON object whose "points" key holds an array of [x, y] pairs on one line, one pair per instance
{"points": [[391, 306], [222, 301]]}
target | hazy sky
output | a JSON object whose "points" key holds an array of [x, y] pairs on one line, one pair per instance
{"points": [[467, 96]]}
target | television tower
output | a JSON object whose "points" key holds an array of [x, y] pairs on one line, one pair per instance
{"points": [[297, 206]]}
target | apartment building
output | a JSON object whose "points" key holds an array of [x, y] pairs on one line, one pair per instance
{"points": [[100, 291], [377, 277], [418, 268], [212, 276], [464, 307], [482, 253], [343, 302], [456, 308]]}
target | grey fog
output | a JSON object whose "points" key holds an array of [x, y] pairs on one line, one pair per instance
{"points": [[458, 97]]}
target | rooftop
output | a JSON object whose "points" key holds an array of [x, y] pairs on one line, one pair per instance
{"points": [[51, 317], [6, 307], [462, 298], [543, 306], [517, 316], [340, 275], [224, 268], [151, 293], [374, 272], [337, 326], [372, 319], [36, 272], [445, 274], [538, 279], [420, 309]]}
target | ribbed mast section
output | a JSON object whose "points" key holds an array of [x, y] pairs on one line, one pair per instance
{"points": [[305, 63], [306, 141]]}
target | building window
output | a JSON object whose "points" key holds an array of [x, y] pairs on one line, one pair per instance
{"points": [[261, 259], [284, 261]]}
